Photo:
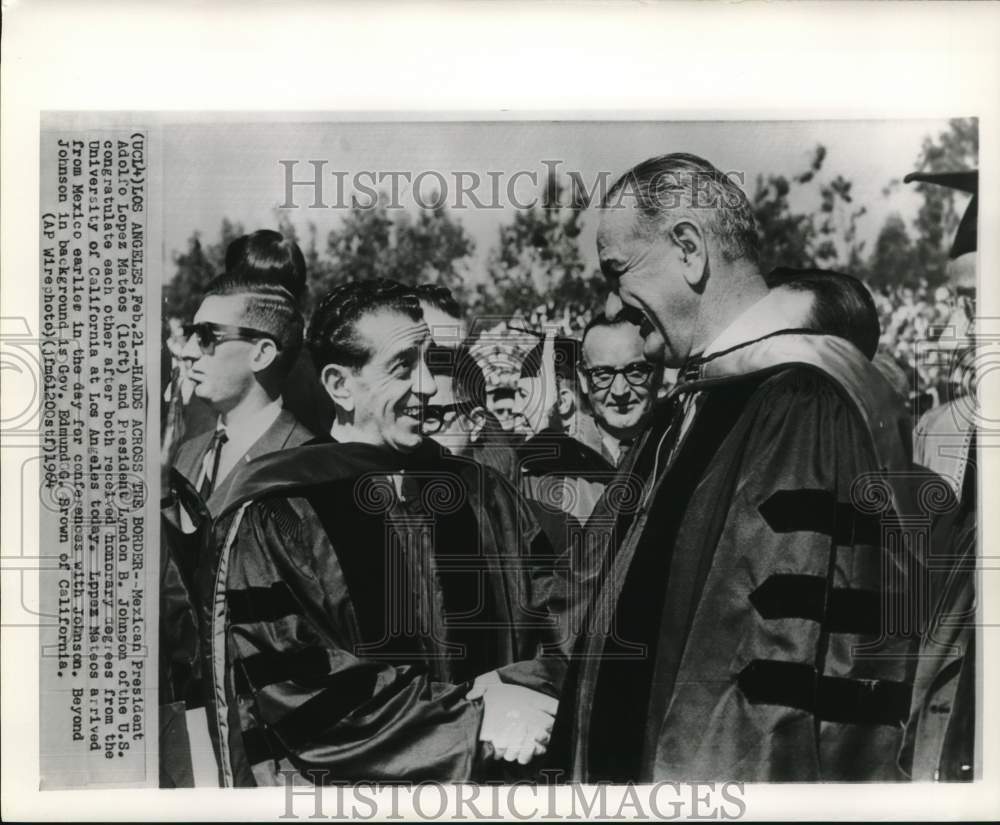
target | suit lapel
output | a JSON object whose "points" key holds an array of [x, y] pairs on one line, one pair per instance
{"points": [[191, 455], [276, 437]]}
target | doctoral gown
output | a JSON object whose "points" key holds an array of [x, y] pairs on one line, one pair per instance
{"points": [[343, 624], [750, 615]]}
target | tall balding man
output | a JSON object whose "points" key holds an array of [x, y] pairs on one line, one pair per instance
{"points": [[738, 633]]}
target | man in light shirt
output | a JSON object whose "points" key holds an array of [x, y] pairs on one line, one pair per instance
{"points": [[243, 341]]}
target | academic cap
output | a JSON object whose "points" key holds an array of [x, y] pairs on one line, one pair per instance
{"points": [[964, 181]]}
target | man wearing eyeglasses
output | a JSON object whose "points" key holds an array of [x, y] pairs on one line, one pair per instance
{"points": [[455, 415], [618, 381], [240, 347]]}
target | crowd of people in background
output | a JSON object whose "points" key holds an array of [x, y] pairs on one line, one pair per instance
{"points": [[921, 330]]}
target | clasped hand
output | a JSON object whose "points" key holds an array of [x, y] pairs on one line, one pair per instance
{"points": [[517, 721]]}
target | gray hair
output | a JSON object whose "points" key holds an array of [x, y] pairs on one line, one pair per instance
{"points": [[681, 183]]}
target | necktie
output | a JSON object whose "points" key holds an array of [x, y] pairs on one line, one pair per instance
{"points": [[410, 490], [212, 457], [623, 448]]}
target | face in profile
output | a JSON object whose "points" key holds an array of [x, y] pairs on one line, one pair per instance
{"points": [[618, 380], [222, 360], [644, 272], [388, 393]]}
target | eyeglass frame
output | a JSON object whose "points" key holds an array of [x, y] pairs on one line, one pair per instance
{"points": [[441, 410], [623, 372], [220, 333]]}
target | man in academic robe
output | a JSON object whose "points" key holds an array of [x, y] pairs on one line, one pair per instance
{"points": [[240, 348], [738, 633], [370, 614]]}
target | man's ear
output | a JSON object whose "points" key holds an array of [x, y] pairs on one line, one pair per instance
{"points": [[689, 238], [567, 401], [582, 378], [337, 381], [478, 419], [264, 354]]}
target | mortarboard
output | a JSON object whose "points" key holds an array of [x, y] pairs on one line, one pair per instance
{"points": [[964, 181]]}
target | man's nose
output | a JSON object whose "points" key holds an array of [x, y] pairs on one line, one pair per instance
{"points": [[613, 305], [191, 351], [619, 386], [424, 384]]}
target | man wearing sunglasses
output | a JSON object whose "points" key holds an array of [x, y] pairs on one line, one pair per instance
{"points": [[240, 347], [619, 383]]}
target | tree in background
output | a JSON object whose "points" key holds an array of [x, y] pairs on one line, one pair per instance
{"points": [[372, 243], [536, 267], [954, 149], [894, 259], [537, 264], [193, 270], [824, 236], [195, 267]]}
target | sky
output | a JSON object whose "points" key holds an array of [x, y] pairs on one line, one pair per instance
{"points": [[215, 168]]}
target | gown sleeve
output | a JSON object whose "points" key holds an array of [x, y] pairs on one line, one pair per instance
{"points": [[814, 589], [296, 688]]}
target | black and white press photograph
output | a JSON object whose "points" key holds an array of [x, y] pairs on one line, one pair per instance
{"points": [[568, 452], [525, 411]]}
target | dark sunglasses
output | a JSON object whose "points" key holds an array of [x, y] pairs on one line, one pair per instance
{"points": [[637, 374], [209, 334], [434, 415]]}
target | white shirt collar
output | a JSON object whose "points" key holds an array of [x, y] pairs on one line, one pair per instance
{"points": [[777, 310], [612, 446], [240, 439]]}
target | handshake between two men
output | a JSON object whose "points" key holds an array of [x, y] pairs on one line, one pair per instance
{"points": [[517, 721]]}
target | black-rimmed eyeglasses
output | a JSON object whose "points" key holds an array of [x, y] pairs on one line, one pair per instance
{"points": [[433, 420], [637, 374], [209, 334]]}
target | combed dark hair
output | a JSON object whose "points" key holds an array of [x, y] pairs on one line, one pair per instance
{"points": [[567, 356], [332, 337], [440, 297], [628, 315], [686, 183], [458, 363], [269, 308], [842, 306], [268, 256]]}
